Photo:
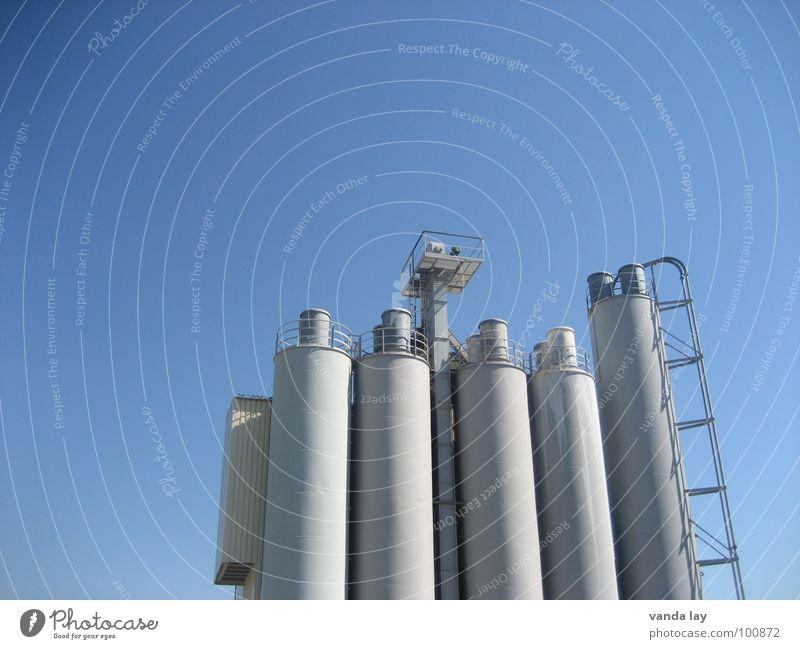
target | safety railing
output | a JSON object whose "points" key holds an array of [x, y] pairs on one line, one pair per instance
{"points": [[446, 243], [391, 340], [559, 357], [495, 350], [615, 289], [310, 333]]}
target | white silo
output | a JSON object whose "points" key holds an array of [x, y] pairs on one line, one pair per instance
{"points": [[391, 502], [571, 496], [306, 519], [499, 540], [650, 508]]}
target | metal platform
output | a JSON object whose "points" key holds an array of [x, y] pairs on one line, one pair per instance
{"points": [[455, 255]]}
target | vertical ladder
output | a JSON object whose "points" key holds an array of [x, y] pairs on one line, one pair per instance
{"points": [[689, 353]]}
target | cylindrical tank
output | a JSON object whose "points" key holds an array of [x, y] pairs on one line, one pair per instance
{"points": [[314, 328], [377, 339], [559, 350], [494, 334], [306, 519], [497, 508], [601, 286], [650, 510], [632, 279], [574, 517], [396, 330], [475, 352], [391, 525], [538, 354]]}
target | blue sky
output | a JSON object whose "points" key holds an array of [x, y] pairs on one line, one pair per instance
{"points": [[202, 132]]}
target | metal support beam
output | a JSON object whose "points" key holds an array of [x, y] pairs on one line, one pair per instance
{"points": [[435, 321], [716, 562], [704, 491], [694, 423]]}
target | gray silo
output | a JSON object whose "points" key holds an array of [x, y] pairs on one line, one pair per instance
{"points": [[497, 513], [650, 509], [306, 520], [574, 518], [391, 504]]}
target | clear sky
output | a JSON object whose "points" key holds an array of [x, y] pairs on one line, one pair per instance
{"points": [[162, 163]]}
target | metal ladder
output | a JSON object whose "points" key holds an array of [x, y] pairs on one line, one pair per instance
{"points": [[689, 353]]}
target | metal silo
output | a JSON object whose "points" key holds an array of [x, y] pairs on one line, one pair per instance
{"points": [[306, 519], [391, 504], [574, 518], [242, 502], [650, 509], [497, 512]]}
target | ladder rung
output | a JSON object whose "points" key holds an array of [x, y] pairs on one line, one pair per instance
{"points": [[672, 304], [715, 562], [702, 491], [694, 423], [680, 362]]}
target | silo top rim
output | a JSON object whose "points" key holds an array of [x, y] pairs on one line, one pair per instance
{"points": [[396, 310], [599, 273], [489, 320], [315, 310], [561, 328]]}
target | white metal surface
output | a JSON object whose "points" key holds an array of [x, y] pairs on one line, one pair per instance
{"points": [[499, 539], [654, 545], [306, 521], [315, 327], [494, 334], [391, 526], [243, 493], [395, 333], [571, 496]]}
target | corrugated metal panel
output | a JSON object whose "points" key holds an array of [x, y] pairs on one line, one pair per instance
{"points": [[243, 495]]}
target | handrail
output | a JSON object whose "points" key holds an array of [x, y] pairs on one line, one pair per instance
{"points": [[513, 354], [581, 360], [390, 340], [616, 288], [669, 260], [475, 252], [338, 336]]}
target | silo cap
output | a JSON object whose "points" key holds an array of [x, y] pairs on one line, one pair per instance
{"points": [[603, 274], [305, 313], [396, 310]]}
